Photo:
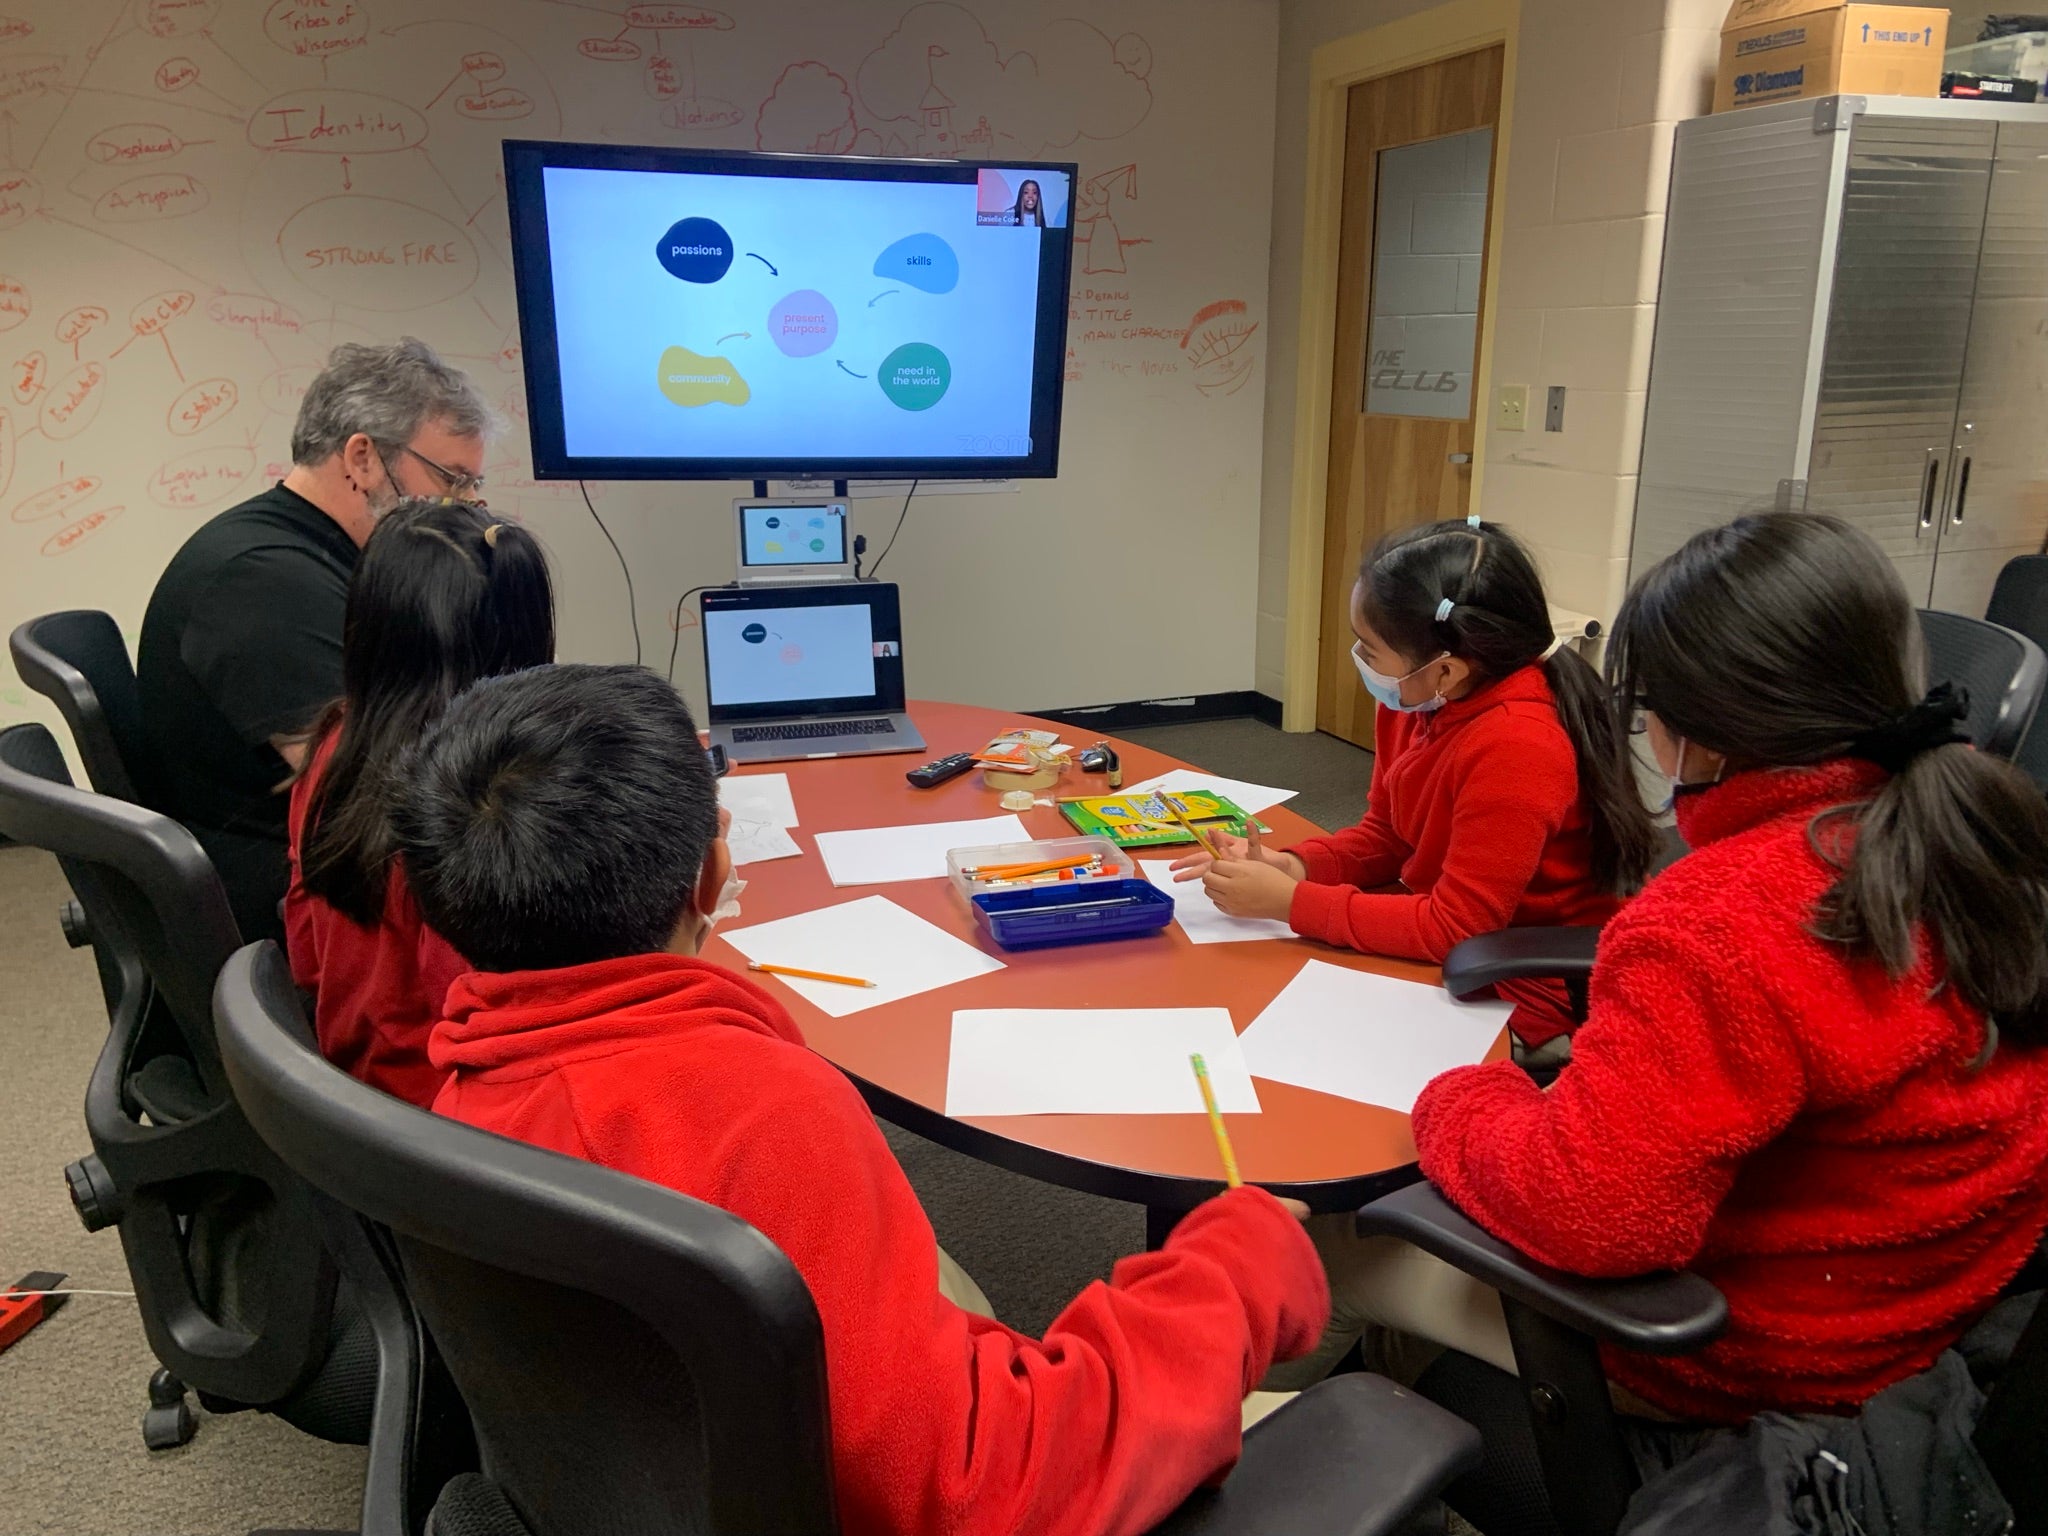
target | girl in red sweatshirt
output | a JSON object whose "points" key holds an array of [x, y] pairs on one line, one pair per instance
{"points": [[444, 594], [1814, 1068], [1501, 794]]}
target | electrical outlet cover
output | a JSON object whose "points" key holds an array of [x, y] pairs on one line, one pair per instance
{"points": [[1511, 408]]}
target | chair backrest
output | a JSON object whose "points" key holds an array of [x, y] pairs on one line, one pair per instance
{"points": [[2003, 670], [222, 1242], [79, 661], [633, 1360], [2020, 602]]}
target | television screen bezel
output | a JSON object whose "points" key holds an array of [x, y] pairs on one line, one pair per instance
{"points": [[533, 282]]}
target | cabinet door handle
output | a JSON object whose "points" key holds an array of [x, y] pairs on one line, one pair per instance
{"points": [[1962, 492], [1927, 483], [1458, 458]]}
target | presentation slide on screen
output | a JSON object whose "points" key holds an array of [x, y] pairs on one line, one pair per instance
{"points": [[771, 317], [778, 655], [792, 536]]}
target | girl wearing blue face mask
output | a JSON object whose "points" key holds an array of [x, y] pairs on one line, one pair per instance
{"points": [[1501, 791]]}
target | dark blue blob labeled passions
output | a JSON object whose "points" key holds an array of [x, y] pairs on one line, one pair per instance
{"points": [[695, 250]]}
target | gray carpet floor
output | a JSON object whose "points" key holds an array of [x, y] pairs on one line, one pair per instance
{"points": [[72, 1392]]}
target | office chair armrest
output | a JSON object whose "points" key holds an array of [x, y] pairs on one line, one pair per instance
{"points": [[1662, 1314], [1514, 953], [1353, 1456]]}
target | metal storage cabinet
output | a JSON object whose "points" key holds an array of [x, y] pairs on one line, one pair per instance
{"points": [[1854, 319]]}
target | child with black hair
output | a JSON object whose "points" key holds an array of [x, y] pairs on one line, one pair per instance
{"points": [[446, 592], [1813, 1070], [561, 828], [1501, 795]]}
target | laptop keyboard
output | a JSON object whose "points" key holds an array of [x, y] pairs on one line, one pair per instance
{"points": [[808, 730]]}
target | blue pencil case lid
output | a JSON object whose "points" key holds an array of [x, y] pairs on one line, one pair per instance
{"points": [[1073, 913]]}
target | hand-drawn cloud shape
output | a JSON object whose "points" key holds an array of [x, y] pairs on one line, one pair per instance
{"points": [[940, 74], [690, 379], [923, 261], [809, 110]]}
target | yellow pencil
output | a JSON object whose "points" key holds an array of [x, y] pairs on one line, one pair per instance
{"points": [[790, 970], [1230, 1174], [1189, 827]]}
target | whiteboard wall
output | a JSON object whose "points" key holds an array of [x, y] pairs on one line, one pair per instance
{"points": [[199, 197]]}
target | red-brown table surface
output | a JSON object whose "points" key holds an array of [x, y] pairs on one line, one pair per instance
{"points": [[1332, 1152]]}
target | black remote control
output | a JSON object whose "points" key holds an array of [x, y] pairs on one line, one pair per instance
{"points": [[933, 774]]}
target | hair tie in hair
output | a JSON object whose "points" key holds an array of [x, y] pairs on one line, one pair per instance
{"points": [[491, 535], [1927, 726], [1472, 522], [1443, 610]]}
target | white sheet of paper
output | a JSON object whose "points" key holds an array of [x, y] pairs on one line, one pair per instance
{"points": [[1197, 914], [871, 938], [1250, 798], [1094, 1061], [876, 855], [753, 841], [1371, 1038], [758, 797]]}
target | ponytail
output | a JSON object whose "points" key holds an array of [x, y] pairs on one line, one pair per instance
{"points": [[1784, 640], [1469, 589], [1955, 847], [1624, 837]]}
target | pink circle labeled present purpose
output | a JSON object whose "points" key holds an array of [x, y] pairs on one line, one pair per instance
{"points": [[804, 324]]}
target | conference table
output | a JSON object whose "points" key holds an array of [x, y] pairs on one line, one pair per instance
{"points": [[1333, 1153]]}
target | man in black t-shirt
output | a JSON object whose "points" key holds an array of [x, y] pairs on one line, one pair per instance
{"points": [[241, 645]]}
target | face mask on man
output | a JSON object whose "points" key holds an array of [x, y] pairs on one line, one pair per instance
{"points": [[1388, 689]]}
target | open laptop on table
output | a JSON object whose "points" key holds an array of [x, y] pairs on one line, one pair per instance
{"points": [[797, 672]]}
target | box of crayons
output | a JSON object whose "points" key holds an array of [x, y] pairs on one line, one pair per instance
{"points": [[1148, 819]]}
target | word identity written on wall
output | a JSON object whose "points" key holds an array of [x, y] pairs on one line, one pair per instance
{"points": [[198, 198]]}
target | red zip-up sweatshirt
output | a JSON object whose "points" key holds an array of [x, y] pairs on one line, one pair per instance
{"points": [[377, 991], [1749, 1101], [1475, 810], [942, 1421]]}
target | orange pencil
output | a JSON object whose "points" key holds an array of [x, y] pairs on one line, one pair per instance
{"points": [[1189, 827], [790, 970]]}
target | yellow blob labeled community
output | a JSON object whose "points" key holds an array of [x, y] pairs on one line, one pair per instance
{"points": [[690, 378]]}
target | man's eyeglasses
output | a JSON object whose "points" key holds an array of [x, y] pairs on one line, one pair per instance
{"points": [[463, 487]]}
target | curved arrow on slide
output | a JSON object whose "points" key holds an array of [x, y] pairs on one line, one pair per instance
{"points": [[729, 335], [765, 262], [844, 369], [881, 296]]}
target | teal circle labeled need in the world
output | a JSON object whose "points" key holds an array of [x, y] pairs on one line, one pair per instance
{"points": [[915, 376]]}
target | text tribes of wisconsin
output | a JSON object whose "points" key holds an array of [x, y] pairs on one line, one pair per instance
{"points": [[803, 323]]}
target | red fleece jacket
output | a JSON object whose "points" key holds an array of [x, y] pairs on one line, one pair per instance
{"points": [[377, 991], [1748, 1101], [1475, 810], [942, 1421]]}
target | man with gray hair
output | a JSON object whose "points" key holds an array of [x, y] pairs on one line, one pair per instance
{"points": [[241, 644]]}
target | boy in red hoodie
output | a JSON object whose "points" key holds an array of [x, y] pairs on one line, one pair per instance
{"points": [[560, 827]]}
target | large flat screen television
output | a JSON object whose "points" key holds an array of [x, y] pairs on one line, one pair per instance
{"points": [[698, 315]]}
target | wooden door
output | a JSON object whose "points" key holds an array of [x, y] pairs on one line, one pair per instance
{"points": [[1418, 180]]}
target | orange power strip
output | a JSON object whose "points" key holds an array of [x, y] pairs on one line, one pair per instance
{"points": [[19, 1313]]}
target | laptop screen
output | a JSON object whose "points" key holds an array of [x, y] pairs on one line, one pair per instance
{"points": [[779, 535], [777, 652]]}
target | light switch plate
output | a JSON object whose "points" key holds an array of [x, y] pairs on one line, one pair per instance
{"points": [[1511, 408]]}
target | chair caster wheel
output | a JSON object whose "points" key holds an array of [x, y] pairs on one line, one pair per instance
{"points": [[169, 1422]]}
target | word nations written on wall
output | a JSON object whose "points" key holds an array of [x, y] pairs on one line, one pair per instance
{"points": [[198, 198]]}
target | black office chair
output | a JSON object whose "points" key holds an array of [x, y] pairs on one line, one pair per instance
{"points": [[635, 1360], [223, 1245], [78, 660], [2019, 602], [2003, 670]]}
